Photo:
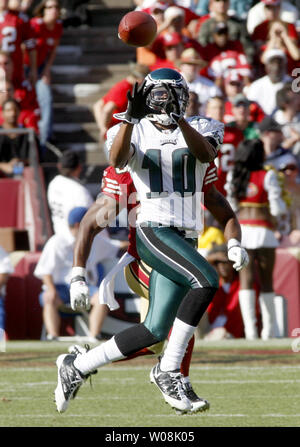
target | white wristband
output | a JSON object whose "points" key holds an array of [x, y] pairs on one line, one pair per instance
{"points": [[78, 271], [233, 243]]}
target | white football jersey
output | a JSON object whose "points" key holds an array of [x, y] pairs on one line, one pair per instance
{"points": [[168, 178], [63, 195]]}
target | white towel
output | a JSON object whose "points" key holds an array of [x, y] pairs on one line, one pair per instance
{"points": [[107, 286]]}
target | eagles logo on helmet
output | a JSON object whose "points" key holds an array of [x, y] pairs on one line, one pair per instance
{"points": [[159, 97]]}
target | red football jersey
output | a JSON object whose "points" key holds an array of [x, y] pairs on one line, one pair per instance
{"points": [[227, 60], [26, 119], [227, 304], [15, 31], [26, 96], [232, 138], [118, 95], [120, 187], [261, 32], [256, 192], [46, 39]]}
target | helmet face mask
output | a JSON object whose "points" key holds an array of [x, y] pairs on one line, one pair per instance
{"points": [[159, 96]]}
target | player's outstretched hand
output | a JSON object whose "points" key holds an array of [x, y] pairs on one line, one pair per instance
{"points": [[172, 107], [237, 254], [136, 107], [79, 294]]}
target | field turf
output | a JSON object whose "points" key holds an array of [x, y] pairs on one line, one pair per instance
{"points": [[248, 384]]}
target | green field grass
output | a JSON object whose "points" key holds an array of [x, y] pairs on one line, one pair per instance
{"points": [[248, 384]]}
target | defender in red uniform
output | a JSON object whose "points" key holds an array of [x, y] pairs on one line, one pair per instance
{"points": [[255, 193], [120, 187]]}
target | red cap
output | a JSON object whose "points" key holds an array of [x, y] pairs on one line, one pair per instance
{"points": [[233, 76], [171, 39]]}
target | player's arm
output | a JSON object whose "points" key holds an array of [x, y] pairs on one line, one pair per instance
{"points": [[103, 113], [220, 208], [121, 149], [99, 215], [203, 148]]}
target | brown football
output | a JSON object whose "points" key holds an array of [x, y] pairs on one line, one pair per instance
{"points": [[137, 28]]}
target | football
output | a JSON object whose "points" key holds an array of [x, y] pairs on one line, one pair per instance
{"points": [[137, 28]]}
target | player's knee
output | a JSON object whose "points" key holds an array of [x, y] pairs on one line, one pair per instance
{"points": [[159, 332], [207, 276]]}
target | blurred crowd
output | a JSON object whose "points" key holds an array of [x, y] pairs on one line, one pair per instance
{"points": [[241, 61], [30, 35]]}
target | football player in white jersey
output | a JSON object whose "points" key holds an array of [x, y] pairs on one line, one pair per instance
{"points": [[168, 157]]}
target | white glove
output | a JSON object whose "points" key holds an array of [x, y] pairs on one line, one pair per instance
{"points": [[237, 254], [79, 291]]}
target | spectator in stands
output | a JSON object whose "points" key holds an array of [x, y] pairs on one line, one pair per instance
{"points": [[193, 107], [201, 7], [263, 90], [20, 5], [27, 118], [15, 32], [257, 14], [173, 47], [74, 13], [115, 100], [288, 116], [215, 108], [189, 14], [6, 269], [55, 270], [23, 93], [225, 54], [65, 191], [272, 137], [224, 312], [14, 148], [189, 64], [234, 85], [174, 21], [236, 28], [256, 195], [290, 168], [236, 8], [239, 9], [47, 29], [174, 25], [232, 137], [146, 55], [241, 113], [276, 34]]}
